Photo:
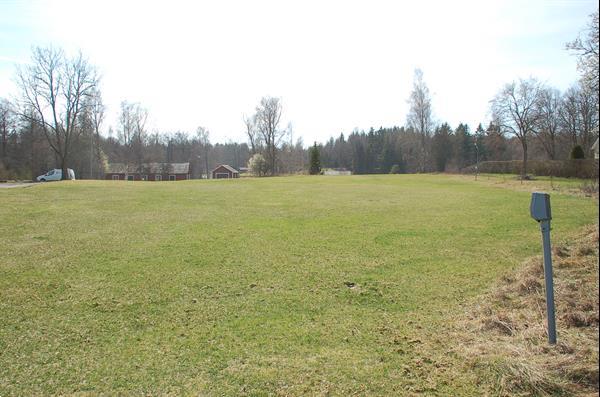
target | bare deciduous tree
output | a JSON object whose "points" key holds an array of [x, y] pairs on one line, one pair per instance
{"points": [[97, 116], [569, 114], [252, 133], [268, 116], [7, 126], [132, 132], [92, 118], [579, 116], [587, 53], [514, 110], [588, 64], [203, 136], [53, 92], [419, 115], [587, 106], [549, 120]]}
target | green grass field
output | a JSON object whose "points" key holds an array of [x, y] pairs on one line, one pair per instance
{"points": [[291, 285]]}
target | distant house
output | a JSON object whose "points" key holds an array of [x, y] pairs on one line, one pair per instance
{"points": [[224, 171], [595, 149], [148, 172], [336, 171]]}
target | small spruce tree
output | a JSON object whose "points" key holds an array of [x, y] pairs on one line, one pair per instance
{"points": [[577, 153], [315, 160]]}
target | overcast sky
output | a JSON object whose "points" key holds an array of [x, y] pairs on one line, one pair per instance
{"points": [[337, 65]]}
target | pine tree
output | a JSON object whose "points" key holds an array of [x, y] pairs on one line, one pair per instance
{"points": [[315, 161], [442, 147], [387, 158], [481, 149], [464, 145]]}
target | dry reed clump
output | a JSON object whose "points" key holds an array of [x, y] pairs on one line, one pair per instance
{"points": [[590, 188], [516, 376], [505, 338]]}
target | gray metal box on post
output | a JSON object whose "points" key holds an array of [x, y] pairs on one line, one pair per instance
{"points": [[540, 207], [541, 212]]}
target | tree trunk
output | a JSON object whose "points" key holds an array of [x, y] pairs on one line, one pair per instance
{"points": [[524, 169], [4, 145], [63, 167], [206, 163], [91, 175], [273, 160]]}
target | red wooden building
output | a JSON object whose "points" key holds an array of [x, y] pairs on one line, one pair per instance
{"points": [[148, 172], [224, 171]]}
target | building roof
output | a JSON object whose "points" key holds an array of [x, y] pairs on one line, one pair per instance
{"points": [[227, 167], [149, 168]]}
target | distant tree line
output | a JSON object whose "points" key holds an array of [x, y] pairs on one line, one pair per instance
{"points": [[57, 119], [26, 152], [529, 121]]}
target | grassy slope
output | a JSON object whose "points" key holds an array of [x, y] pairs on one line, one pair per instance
{"points": [[504, 333], [242, 286], [571, 186]]}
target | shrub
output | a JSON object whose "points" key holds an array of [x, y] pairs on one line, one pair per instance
{"points": [[586, 168], [258, 165], [396, 169]]}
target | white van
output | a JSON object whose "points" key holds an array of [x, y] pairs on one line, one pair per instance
{"points": [[55, 175]]}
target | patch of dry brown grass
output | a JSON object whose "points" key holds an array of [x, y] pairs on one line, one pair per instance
{"points": [[504, 336]]}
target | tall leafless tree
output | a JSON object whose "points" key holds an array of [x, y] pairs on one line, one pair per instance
{"points": [[569, 114], [132, 132], [579, 116], [54, 87], [420, 115], [587, 106], [92, 118], [252, 133], [586, 49], [515, 111], [548, 127], [268, 116], [203, 136], [588, 64], [97, 110], [7, 126]]}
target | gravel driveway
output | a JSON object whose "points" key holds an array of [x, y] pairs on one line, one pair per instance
{"points": [[11, 185]]}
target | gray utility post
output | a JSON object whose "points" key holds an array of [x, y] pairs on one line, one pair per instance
{"points": [[540, 211]]}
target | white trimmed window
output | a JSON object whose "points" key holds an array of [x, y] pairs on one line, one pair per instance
{"points": [[130, 177], [158, 177], [172, 178], [115, 177]]}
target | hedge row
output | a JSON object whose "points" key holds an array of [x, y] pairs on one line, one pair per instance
{"points": [[586, 168]]}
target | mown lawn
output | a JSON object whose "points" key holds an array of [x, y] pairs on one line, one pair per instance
{"points": [[295, 285]]}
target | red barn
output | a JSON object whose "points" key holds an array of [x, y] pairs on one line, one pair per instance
{"points": [[148, 172], [224, 171]]}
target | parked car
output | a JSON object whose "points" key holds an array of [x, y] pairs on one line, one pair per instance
{"points": [[55, 175]]}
